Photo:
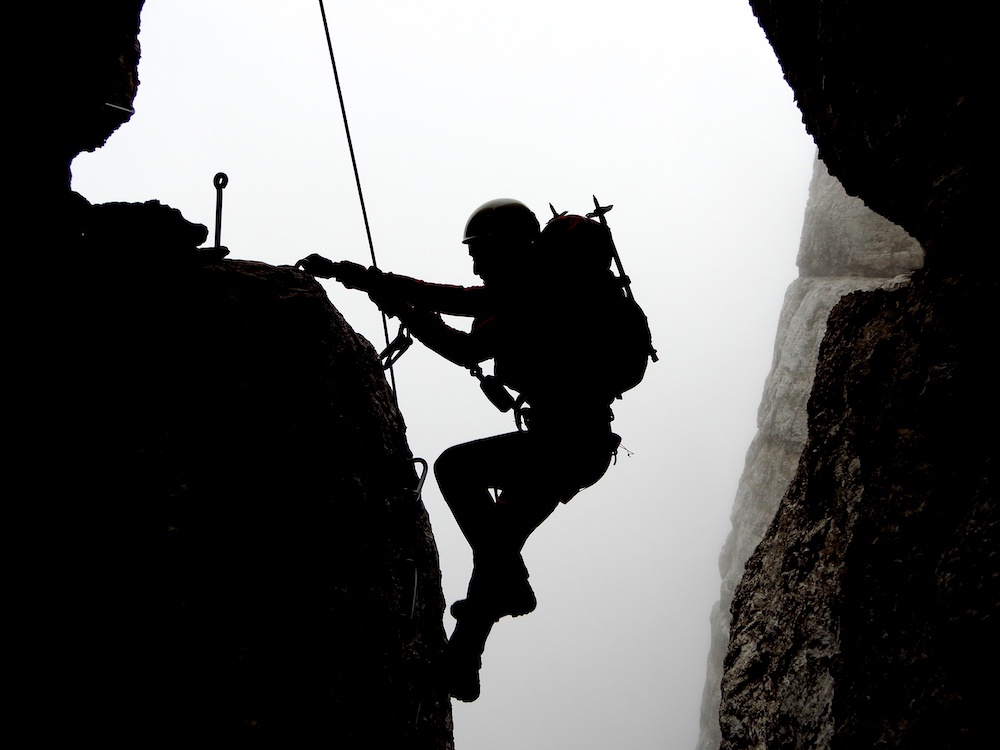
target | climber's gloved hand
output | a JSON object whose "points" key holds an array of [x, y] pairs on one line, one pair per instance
{"points": [[317, 265], [388, 303], [354, 275], [351, 275]]}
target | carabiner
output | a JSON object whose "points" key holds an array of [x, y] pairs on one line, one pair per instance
{"points": [[397, 347]]}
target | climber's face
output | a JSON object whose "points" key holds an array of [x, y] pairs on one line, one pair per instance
{"points": [[490, 259]]}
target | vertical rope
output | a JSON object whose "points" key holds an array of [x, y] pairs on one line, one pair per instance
{"points": [[357, 176]]}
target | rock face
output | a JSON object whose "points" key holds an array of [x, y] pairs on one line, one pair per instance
{"points": [[845, 247], [215, 530], [229, 543], [868, 611], [867, 614], [896, 100], [75, 81]]}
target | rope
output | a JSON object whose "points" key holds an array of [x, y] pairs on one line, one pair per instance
{"points": [[357, 176]]}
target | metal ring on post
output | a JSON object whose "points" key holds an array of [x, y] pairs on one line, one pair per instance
{"points": [[220, 181]]}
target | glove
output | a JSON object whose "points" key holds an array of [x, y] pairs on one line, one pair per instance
{"points": [[389, 304], [351, 275], [317, 265], [354, 275]]}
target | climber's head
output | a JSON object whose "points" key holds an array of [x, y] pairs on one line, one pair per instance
{"points": [[500, 234]]}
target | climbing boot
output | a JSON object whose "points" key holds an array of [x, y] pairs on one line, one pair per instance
{"points": [[463, 657], [499, 588], [462, 678]]}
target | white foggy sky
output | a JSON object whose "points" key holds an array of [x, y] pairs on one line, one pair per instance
{"points": [[678, 115]]}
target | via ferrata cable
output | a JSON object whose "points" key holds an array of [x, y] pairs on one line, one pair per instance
{"points": [[357, 176], [395, 349]]}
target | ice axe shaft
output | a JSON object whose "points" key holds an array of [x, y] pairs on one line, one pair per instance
{"points": [[598, 213]]}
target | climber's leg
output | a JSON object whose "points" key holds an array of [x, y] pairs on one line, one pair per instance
{"points": [[466, 473]]}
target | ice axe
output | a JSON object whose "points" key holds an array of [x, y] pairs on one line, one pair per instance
{"points": [[598, 213]]}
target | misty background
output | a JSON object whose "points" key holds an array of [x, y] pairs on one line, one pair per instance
{"points": [[675, 113]]}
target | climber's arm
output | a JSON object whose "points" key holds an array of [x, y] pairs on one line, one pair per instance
{"points": [[464, 349], [417, 304], [444, 298], [449, 299]]}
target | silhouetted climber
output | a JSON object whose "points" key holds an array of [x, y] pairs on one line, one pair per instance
{"points": [[547, 297]]}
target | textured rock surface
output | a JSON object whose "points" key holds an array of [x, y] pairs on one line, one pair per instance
{"points": [[843, 237], [230, 522], [74, 83], [896, 98], [838, 232], [212, 525], [867, 614]]}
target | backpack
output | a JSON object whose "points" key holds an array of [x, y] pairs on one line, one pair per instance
{"points": [[601, 325], [611, 330]]}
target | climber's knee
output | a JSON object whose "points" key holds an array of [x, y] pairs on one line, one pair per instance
{"points": [[448, 468]]}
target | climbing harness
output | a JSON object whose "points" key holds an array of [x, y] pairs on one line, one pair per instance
{"points": [[357, 177]]}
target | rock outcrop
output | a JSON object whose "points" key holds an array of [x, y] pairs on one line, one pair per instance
{"points": [[845, 247], [216, 529], [896, 99], [867, 614], [223, 517]]}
